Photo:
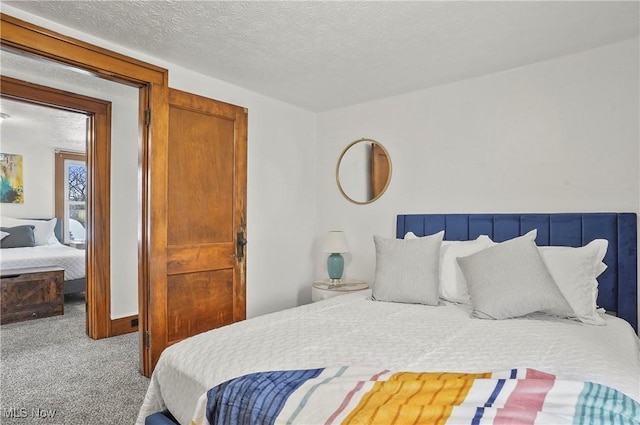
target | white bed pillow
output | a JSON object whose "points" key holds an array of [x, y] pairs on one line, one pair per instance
{"points": [[510, 280], [43, 229], [407, 270], [575, 271], [453, 286]]}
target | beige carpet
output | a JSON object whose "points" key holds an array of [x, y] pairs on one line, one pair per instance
{"points": [[52, 373]]}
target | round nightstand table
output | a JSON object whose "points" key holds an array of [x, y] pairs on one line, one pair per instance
{"points": [[323, 288]]}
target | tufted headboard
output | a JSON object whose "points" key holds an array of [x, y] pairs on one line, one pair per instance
{"points": [[617, 286]]}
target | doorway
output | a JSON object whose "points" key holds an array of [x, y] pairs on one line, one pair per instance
{"points": [[152, 83], [98, 167]]}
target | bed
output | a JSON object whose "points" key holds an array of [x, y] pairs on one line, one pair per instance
{"points": [[46, 250], [335, 356]]}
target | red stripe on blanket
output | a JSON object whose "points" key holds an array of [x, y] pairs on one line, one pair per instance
{"points": [[349, 396], [536, 374], [526, 400]]}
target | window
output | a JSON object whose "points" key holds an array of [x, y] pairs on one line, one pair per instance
{"points": [[71, 195], [75, 199]]}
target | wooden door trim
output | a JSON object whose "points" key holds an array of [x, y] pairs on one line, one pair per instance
{"points": [[26, 38], [98, 158], [42, 42], [60, 158], [241, 129]]}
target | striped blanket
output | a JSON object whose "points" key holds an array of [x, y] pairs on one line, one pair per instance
{"points": [[355, 395]]}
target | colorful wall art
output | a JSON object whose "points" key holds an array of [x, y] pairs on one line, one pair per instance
{"points": [[11, 189]]}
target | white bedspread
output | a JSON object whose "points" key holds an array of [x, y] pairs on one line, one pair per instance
{"points": [[352, 330], [70, 259]]}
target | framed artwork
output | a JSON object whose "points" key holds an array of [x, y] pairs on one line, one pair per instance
{"points": [[11, 189]]}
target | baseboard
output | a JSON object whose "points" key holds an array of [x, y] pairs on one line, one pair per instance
{"points": [[123, 325]]}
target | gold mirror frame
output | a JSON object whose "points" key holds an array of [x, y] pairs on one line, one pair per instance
{"points": [[385, 169]]}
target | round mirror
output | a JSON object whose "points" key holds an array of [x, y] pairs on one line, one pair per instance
{"points": [[363, 171]]}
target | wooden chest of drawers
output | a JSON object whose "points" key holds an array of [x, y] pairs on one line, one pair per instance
{"points": [[31, 293]]}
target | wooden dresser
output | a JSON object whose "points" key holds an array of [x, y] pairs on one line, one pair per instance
{"points": [[31, 293]]}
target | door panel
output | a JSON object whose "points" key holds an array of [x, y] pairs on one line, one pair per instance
{"points": [[202, 281], [214, 292], [201, 175], [200, 257]]}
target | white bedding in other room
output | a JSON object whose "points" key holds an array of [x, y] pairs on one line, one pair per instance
{"points": [[353, 330], [70, 259]]}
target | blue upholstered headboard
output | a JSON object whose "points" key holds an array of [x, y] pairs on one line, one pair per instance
{"points": [[618, 285], [58, 230]]}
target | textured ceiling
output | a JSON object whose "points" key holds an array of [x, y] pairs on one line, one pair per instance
{"points": [[325, 55], [30, 124]]}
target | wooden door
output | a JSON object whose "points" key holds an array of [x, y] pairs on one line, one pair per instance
{"points": [[204, 225]]}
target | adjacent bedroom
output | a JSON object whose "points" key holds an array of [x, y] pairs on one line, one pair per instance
{"points": [[372, 212], [44, 228]]}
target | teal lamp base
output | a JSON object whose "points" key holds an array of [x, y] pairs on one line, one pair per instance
{"points": [[335, 266]]}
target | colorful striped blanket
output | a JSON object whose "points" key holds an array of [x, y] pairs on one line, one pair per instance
{"points": [[357, 395]]}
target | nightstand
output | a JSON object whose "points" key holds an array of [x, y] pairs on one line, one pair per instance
{"points": [[77, 244], [323, 289]]}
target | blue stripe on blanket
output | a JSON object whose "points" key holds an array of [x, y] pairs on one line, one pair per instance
{"points": [[599, 404], [254, 398], [492, 398]]}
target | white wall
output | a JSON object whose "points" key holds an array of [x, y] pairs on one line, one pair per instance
{"points": [[124, 202], [557, 136], [37, 166], [281, 211]]}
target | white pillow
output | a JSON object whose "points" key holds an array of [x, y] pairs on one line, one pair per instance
{"points": [[453, 286], [407, 270], [511, 280], [575, 271], [600, 267], [43, 229]]}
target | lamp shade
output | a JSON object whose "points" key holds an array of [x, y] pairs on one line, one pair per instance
{"points": [[336, 242]]}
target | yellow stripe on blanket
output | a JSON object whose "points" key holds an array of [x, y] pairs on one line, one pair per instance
{"points": [[408, 398]]}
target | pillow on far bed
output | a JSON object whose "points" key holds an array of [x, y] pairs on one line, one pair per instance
{"points": [[575, 271], [407, 269], [43, 229], [511, 280], [18, 237]]}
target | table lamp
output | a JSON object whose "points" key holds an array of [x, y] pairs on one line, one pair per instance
{"points": [[335, 244]]}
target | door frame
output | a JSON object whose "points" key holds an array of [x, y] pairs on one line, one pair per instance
{"points": [[29, 39], [98, 159]]}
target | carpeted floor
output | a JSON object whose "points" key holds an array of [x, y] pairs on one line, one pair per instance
{"points": [[52, 373]]}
